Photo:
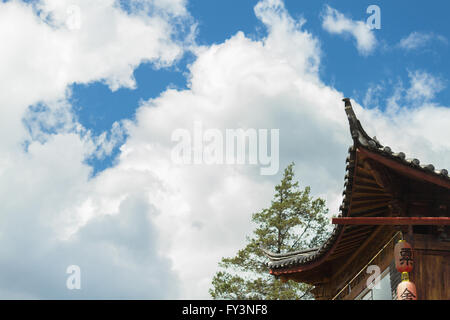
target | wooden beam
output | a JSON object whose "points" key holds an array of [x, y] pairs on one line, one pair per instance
{"points": [[350, 244], [361, 207], [372, 213], [406, 169], [370, 181], [372, 196], [338, 255], [356, 235], [364, 192], [395, 221], [371, 186], [358, 251], [364, 229], [380, 179]]}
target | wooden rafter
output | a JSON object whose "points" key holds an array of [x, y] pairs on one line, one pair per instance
{"points": [[358, 251], [405, 169]]}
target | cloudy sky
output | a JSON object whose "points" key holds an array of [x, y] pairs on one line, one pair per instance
{"points": [[91, 93]]}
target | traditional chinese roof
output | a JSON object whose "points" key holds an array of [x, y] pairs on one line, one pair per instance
{"points": [[375, 179]]}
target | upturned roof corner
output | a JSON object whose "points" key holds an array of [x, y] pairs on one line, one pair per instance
{"points": [[359, 135], [362, 196]]}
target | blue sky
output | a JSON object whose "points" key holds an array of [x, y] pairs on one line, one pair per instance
{"points": [[342, 66], [94, 93]]}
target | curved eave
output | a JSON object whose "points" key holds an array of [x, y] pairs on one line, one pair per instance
{"points": [[302, 263], [294, 263], [362, 196]]}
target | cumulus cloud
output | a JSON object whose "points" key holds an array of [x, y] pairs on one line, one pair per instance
{"points": [[171, 7], [424, 85], [45, 187], [373, 95], [337, 23], [148, 227], [421, 89], [416, 40], [412, 120], [42, 54], [117, 255]]}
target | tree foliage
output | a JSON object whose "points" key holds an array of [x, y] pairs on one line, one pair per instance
{"points": [[294, 221]]}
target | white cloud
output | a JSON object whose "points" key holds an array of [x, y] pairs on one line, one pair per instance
{"points": [[46, 193], [42, 55], [148, 228], [413, 122], [337, 23], [424, 86], [416, 40], [172, 7], [372, 95], [395, 95]]}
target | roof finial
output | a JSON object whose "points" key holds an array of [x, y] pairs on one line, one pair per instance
{"points": [[347, 102], [358, 134], [349, 110]]}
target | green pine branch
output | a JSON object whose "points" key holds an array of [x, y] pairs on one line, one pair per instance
{"points": [[294, 221]]}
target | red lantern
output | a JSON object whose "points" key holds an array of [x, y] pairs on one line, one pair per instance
{"points": [[406, 290], [403, 256]]}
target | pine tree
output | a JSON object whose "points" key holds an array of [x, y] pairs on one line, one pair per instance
{"points": [[294, 221]]}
